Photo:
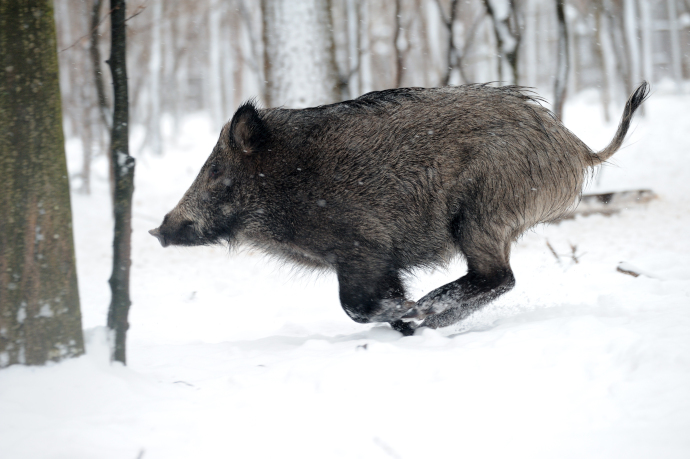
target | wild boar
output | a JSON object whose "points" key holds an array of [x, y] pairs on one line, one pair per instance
{"points": [[391, 181]]}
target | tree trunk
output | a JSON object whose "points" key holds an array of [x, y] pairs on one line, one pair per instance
{"points": [[602, 56], [103, 109], [87, 141], [155, 63], [124, 184], [396, 45], [631, 36], [40, 318], [620, 44], [299, 57], [95, 52], [364, 71], [562, 60], [647, 30]]}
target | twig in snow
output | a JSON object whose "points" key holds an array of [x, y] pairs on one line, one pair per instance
{"points": [[553, 252], [181, 382], [630, 270], [573, 252]]}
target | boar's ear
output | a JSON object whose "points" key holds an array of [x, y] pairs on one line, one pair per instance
{"points": [[247, 129]]}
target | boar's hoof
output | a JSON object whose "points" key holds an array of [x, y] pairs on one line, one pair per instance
{"points": [[157, 234], [406, 328]]}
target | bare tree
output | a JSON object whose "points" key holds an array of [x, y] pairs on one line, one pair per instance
{"points": [[95, 52], [631, 38], [676, 59], [562, 59], [603, 56], [40, 319], [506, 22], [124, 184], [401, 43], [103, 108], [451, 54]]}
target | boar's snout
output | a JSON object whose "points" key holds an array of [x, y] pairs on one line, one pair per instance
{"points": [[156, 232], [176, 231]]}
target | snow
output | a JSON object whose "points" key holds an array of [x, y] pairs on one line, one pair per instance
{"points": [[237, 356]]}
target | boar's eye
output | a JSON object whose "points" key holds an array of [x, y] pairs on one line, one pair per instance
{"points": [[214, 171]]}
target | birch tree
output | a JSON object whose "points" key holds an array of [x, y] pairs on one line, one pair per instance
{"points": [[299, 58]]}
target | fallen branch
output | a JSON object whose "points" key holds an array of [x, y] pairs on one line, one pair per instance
{"points": [[609, 203]]}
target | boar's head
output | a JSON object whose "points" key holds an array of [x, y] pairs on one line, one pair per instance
{"points": [[215, 207]]}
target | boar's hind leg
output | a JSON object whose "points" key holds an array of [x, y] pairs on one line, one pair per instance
{"points": [[372, 292], [488, 277]]}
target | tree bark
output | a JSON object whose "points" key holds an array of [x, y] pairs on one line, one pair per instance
{"points": [[40, 319], [124, 185]]}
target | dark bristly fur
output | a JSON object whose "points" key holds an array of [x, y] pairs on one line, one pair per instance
{"points": [[388, 182]]}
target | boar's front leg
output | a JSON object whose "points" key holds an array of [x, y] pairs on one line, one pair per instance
{"points": [[372, 291]]}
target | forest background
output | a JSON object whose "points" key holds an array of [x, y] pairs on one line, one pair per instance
{"points": [[209, 56]]}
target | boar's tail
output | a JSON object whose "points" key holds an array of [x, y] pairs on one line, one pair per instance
{"points": [[639, 96]]}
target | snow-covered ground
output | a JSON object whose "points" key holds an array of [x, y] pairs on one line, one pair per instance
{"points": [[232, 355]]}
